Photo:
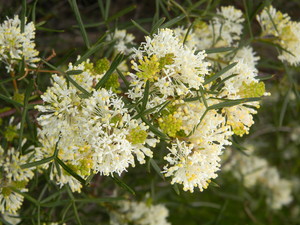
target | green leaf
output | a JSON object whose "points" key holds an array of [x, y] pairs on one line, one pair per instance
{"points": [[74, 72], [74, 6], [93, 49], [176, 189], [27, 196], [121, 13], [268, 77], [9, 100], [112, 68], [202, 96], [55, 203], [248, 18], [104, 11], [229, 103], [24, 113], [126, 82], [10, 79], [218, 50], [37, 163], [270, 42], [117, 179], [84, 92], [173, 21], [217, 86], [89, 178], [238, 146], [146, 95], [53, 196], [33, 14], [220, 73], [221, 213], [156, 168], [23, 15], [157, 25], [70, 171], [154, 129], [284, 107], [140, 27], [98, 200], [187, 32], [76, 213], [49, 30]]}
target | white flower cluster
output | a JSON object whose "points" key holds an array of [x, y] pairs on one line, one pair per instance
{"points": [[175, 72], [223, 30], [240, 81], [167, 88], [12, 177], [254, 170], [175, 75], [242, 84], [195, 161], [124, 41], [139, 213], [94, 134], [171, 68], [15, 45], [227, 25], [285, 33]]}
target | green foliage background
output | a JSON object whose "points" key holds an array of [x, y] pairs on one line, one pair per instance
{"points": [[60, 26]]}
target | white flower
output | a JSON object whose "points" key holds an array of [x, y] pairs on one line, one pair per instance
{"points": [[12, 219], [247, 56], [94, 134], [113, 135], [254, 170], [171, 68], [195, 164], [285, 31], [242, 84], [139, 213], [10, 201], [13, 176], [223, 30], [124, 41], [228, 25], [14, 44]]}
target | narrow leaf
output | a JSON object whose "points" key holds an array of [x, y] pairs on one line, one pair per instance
{"points": [[154, 129], [121, 13], [9, 100], [112, 68], [98, 200], [126, 82], [156, 168], [283, 108], [70, 171], [74, 72], [80, 23], [220, 73], [92, 50], [173, 21], [140, 27], [122, 184], [157, 25], [37, 163], [229, 103], [218, 50], [24, 113]]}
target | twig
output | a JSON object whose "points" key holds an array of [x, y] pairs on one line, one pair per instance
{"points": [[12, 111], [53, 54], [12, 74]]}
